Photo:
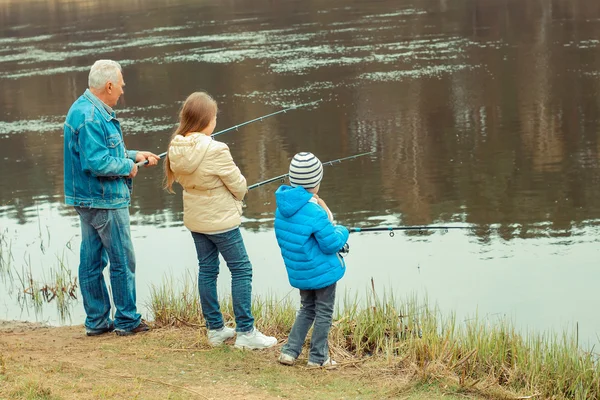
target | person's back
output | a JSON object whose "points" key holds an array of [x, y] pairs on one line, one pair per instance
{"points": [[308, 240], [97, 181], [309, 243], [213, 185], [213, 190], [98, 153]]}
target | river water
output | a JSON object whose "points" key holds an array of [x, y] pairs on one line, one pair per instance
{"points": [[480, 112]]}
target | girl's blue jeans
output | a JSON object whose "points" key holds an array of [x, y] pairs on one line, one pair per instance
{"points": [[105, 236], [231, 246], [316, 306]]}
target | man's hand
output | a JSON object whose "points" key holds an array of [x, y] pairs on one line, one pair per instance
{"points": [[133, 172], [146, 155]]}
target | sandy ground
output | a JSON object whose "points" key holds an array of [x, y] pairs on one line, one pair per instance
{"points": [[19, 326], [50, 363], [38, 361]]}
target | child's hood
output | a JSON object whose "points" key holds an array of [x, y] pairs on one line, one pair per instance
{"points": [[187, 152], [291, 199]]}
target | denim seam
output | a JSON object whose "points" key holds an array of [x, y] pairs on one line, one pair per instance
{"points": [[127, 275]]}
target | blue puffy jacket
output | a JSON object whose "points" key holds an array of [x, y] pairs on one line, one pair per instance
{"points": [[309, 242]]}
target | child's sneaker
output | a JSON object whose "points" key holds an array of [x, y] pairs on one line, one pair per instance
{"points": [[327, 363], [216, 337], [254, 340], [286, 359]]}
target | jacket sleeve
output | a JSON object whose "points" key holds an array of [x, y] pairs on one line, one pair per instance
{"points": [[94, 154], [229, 173], [331, 238]]}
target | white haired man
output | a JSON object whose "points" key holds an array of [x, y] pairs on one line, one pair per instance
{"points": [[98, 172]]}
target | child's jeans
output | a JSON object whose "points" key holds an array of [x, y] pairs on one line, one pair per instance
{"points": [[231, 246], [317, 307]]}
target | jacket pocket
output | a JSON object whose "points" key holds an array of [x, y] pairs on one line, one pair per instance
{"points": [[113, 141], [115, 145]]}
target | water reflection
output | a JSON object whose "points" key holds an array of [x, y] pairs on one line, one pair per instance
{"points": [[479, 122]]}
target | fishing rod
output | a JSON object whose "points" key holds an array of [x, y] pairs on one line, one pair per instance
{"points": [[281, 177], [391, 229], [142, 163]]}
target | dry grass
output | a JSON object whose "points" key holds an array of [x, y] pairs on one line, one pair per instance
{"points": [[177, 363], [411, 337], [60, 287]]}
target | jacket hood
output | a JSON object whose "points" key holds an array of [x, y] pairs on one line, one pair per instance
{"points": [[291, 199], [187, 152]]}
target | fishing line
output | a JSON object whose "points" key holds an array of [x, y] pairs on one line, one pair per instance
{"points": [[421, 229]]}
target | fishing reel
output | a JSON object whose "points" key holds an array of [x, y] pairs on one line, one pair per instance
{"points": [[344, 250]]}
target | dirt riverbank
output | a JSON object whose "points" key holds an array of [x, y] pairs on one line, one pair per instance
{"points": [[41, 362]]}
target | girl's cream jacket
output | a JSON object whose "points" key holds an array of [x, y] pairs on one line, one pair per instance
{"points": [[213, 186]]}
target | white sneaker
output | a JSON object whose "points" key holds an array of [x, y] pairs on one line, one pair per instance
{"points": [[327, 363], [216, 337], [254, 340], [286, 359]]}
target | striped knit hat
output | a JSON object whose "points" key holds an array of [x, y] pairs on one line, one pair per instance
{"points": [[305, 170]]}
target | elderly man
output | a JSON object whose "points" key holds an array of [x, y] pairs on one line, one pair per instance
{"points": [[98, 183]]}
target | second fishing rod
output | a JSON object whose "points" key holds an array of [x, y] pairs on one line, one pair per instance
{"points": [[389, 229], [162, 155], [283, 176]]}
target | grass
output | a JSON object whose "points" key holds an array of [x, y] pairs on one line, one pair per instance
{"points": [[6, 257], [31, 390], [474, 357], [60, 287], [176, 308], [177, 363]]}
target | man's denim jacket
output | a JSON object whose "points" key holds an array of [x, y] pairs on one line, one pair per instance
{"points": [[96, 161]]}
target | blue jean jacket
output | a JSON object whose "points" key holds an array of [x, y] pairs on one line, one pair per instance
{"points": [[96, 161]]}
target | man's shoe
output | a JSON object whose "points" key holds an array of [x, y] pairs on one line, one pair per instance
{"points": [[254, 340], [286, 359], [142, 327], [216, 337], [327, 363], [101, 331]]}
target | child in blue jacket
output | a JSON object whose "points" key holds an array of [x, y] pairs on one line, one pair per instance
{"points": [[309, 243]]}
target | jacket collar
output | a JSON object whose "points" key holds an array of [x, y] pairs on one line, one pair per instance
{"points": [[99, 104]]}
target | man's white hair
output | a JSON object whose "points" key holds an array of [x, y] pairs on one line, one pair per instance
{"points": [[102, 72]]}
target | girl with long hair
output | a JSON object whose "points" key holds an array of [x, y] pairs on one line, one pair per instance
{"points": [[213, 190]]}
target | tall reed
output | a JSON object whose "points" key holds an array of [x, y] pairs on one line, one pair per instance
{"points": [[61, 287], [6, 257], [413, 336], [176, 307]]}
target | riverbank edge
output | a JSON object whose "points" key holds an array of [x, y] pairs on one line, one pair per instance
{"points": [[43, 362]]}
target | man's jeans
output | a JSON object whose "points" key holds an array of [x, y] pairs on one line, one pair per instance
{"points": [[105, 236], [317, 306], [231, 245]]}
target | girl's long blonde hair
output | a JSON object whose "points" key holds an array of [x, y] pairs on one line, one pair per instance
{"points": [[196, 114]]}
